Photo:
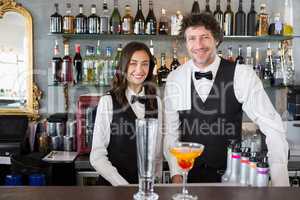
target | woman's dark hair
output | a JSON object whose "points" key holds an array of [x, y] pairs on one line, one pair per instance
{"points": [[120, 83], [206, 20]]}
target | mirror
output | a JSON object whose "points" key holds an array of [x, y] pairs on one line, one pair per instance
{"points": [[17, 96]]}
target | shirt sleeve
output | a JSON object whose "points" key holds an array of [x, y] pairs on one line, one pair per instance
{"points": [[257, 105], [101, 137], [171, 134]]}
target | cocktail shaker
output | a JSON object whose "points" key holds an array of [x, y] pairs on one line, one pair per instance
{"points": [[235, 166], [244, 166], [227, 173], [252, 169], [262, 179]]}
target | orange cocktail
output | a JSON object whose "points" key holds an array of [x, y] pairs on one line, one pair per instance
{"points": [[186, 156]]}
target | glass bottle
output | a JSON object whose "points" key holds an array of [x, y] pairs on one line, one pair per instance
{"points": [[268, 71], [258, 67], [195, 8], [104, 19], [263, 21], [228, 20], [67, 66], [279, 73], [116, 60], [94, 21], [249, 59], [68, 20], [127, 21], [108, 65], [207, 8], [240, 20], [240, 59], [151, 23], [88, 65], [151, 47], [163, 71], [139, 20], [80, 21], [175, 63], [99, 64], [77, 61], [288, 29], [290, 67], [115, 20], [56, 21], [218, 14], [230, 56], [163, 23], [252, 20], [56, 63], [276, 28]]}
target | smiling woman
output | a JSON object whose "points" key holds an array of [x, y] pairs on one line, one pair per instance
{"points": [[16, 61]]}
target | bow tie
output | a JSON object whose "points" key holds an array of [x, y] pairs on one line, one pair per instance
{"points": [[140, 99], [207, 75]]}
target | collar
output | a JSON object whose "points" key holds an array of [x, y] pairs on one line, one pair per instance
{"points": [[129, 92], [212, 67]]}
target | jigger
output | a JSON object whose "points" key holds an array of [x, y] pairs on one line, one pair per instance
{"points": [[146, 139]]}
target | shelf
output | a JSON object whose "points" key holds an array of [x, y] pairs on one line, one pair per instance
{"points": [[81, 85], [165, 37]]}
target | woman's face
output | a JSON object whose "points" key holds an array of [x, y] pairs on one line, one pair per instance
{"points": [[138, 68]]}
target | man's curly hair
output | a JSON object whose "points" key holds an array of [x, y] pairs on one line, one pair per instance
{"points": [[203, 19]]}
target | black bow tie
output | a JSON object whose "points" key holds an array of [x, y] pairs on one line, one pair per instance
{"points": [[207, 75], [140, 99]]}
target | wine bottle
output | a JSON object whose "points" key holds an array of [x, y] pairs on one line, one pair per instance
{"points": [[228, 20], [207, 8], [151, 23], [80, 21], [56, 63], [139, 20], [175, 63], [56, 21], [163, 71], [252, 20], [104, 19], [263, 21], [94, 21], [127, 21], [77, 61], [115, 20], [218, 14], [240, 20], [195, 8], [68, 20], [163, 23], [67, 66]]}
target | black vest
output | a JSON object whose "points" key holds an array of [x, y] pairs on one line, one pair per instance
{"points": [[122, 152], [214, 121]]}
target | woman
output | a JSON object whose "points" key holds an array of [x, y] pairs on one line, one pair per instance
{"points": [[133, 95]]}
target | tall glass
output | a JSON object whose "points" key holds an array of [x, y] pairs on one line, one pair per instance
{"points": [[146, 141], [186, 153]]}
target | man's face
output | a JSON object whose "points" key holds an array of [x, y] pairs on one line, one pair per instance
{"points": [[201, 45]]}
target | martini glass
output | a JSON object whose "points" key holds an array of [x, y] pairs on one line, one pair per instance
{"points": [[186, 153]]}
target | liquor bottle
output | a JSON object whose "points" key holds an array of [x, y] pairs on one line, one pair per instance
{"points": [[88, 64], [252, 20], [195, 8], [230, 56], [99, 65], [68, 20], [151, 23], [276, 28], [290, 67], [175, 63], [263, 21], [108, 65], [249, 59], [163, 23], [163, 71], [67, 66], [176, 21], [56, 63], [115, 20], [77, 61], [228, 20], [258, 67], [116, 60], [240, 59], [127, 21], [207, 8], [104, 19], [56, 21], [268, 71], [288, 29], [240, 20], [279, 73], [94, 21], [151, 47], [139, 20], [80, 21], [218, 14]]}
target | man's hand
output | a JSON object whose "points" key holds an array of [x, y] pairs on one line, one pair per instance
{"points": [[177, 179]]}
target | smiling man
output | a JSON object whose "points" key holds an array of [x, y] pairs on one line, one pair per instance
{"points": [[204, 103]]}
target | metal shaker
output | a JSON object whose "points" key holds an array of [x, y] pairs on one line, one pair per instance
{"points": [[252, 169], [235, 164], [262, 178], [227, 173], [244, 164]]}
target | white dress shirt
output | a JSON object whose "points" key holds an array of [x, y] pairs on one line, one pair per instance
{"points": [[101, 137], [249, 92]]}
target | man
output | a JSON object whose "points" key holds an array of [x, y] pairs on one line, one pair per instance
{"points": [[204, 102]]}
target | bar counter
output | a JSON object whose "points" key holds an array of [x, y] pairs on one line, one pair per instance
{"points": [[165, 193]]}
